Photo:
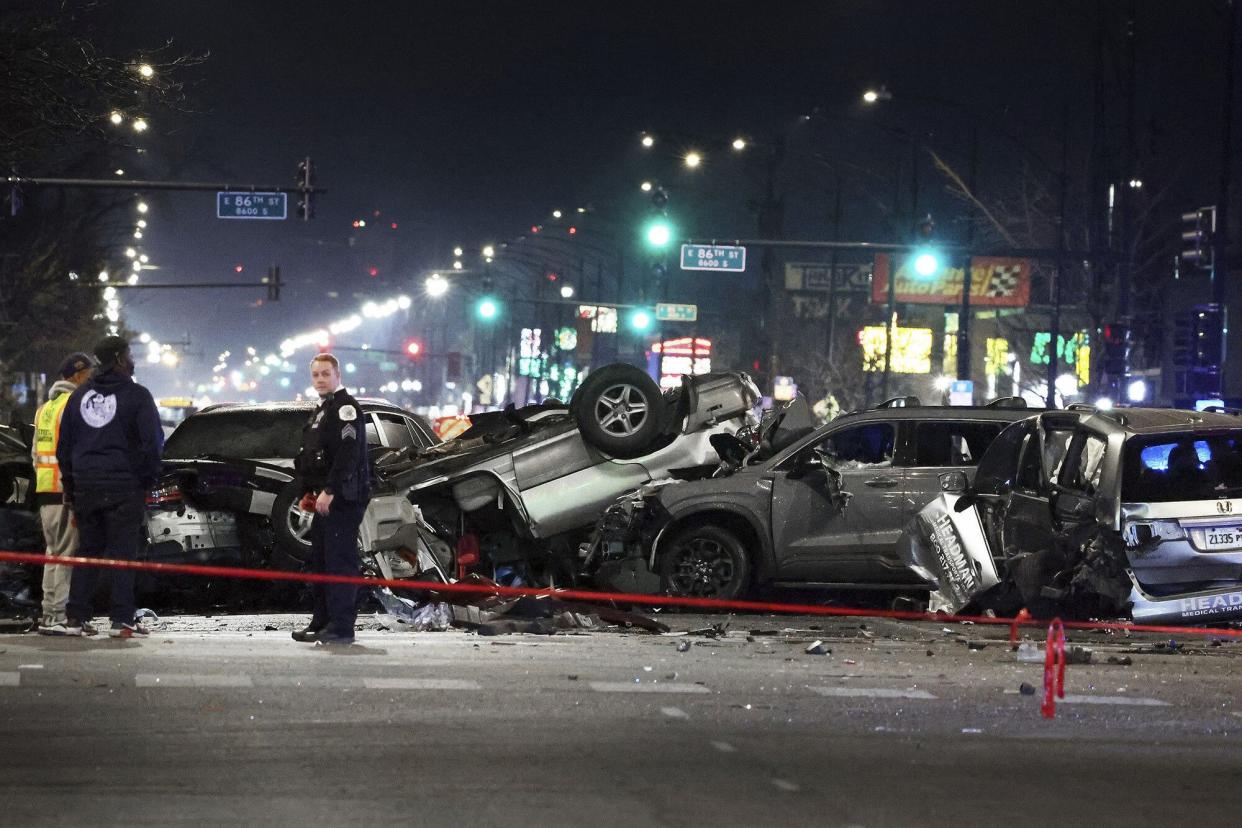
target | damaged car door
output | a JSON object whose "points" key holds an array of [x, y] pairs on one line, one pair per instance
{"points": [[836, 503]]}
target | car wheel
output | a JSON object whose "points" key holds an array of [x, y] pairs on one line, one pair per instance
{"points": [[620, 410], [291, 524], [705, 562]]}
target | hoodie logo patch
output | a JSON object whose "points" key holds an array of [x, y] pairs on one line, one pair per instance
{"points": [[98, 409]]}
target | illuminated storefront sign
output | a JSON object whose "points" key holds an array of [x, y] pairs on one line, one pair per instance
{"points": [[911, 351], [690, 355]]}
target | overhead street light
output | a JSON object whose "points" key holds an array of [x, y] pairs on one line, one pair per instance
{"points": [[567, 291], [693, 159], [645, 186], [489, 252], [116, 118], [140, 125], [648, 141], [146, 70], [457, 251], [436, 285], [876, 95], [739, 144]]}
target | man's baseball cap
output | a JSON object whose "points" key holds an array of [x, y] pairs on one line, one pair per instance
{"points": [[77, 362], [110, 348]]}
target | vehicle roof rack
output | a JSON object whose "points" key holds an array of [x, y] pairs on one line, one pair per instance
{"points": [[1007, 402], [901, 402]]}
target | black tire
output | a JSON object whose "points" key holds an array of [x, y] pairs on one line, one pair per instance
{"points": [[705, 562], [290, 525], [619, 410]]}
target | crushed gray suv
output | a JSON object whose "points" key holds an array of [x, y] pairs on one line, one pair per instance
{"points": [[801, 505], [1087, 512]]}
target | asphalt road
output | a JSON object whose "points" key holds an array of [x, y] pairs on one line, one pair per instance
{"points": [[222, 721]]}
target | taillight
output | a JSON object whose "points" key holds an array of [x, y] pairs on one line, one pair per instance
{"points": [[164, 494]]}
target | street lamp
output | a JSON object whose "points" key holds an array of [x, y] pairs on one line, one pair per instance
{"points": [[116, 118], [140, 125], [645, 186], [648, 141], [693, 159], [873, 95], [146, 70], [142, 207], [567, 291], [556, 214], [436, 285], [739, 144], [457, 251], [489, 252]]}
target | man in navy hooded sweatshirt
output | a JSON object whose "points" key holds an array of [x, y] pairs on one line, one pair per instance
{"points": [[109, 455]]}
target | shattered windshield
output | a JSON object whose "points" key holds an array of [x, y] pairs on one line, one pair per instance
{"points": [[245, 434], [1182, 467]]}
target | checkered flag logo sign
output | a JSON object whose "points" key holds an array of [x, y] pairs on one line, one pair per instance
{"points": [[1003, 281]]}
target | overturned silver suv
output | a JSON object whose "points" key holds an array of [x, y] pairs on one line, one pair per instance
{"points": [[1090, 512]]}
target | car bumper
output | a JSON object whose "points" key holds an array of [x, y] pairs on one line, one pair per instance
{"points": [[195, 532], [1219, 604]]}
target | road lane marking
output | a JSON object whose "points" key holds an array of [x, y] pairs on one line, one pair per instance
{"points": [[420, 684], [634, 687], [872, 692], [10, 679], [786, 785], [1136, 701], [191, 680], [724, 747], [310, 682], [30, 666], [674, 712]]}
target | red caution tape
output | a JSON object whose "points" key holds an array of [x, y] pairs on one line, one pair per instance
{"points": [[601, 597], [1054, 669]]}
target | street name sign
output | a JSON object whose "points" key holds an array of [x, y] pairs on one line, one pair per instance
{"points": [[728, 258], [668, 312], [241, 205]]}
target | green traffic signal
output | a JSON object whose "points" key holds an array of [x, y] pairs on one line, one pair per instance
{"points": [[640, 320], [487, 308], [926, 263], [659, 233]]}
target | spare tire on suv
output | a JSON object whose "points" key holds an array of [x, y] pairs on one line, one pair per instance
{"points": [[619, 410]]}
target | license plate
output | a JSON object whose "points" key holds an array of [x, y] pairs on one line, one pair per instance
{"points": [[1228, 538]]}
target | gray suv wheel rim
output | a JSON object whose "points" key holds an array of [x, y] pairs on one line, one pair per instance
{"points": [[299, 522], [703, 568], [621, 410]]}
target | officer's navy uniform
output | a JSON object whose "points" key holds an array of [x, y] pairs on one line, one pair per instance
{"points": [[333, 459]]}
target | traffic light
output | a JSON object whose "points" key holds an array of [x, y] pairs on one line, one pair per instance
{"points": [[641, 319], [1198, 230], [273, 283], [487, 308], [925, 259], [658, 233], [1183, 341], [1116, 350], [1208, 337], [413, 349], [305, 178]]}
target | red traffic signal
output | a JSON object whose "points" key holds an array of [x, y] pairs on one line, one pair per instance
{"points": [[413, 348]]}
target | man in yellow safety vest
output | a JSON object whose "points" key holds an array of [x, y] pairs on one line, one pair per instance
{"points": [[60, 533]]}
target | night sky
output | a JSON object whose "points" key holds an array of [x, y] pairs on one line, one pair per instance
{"points": [[466, 123]]}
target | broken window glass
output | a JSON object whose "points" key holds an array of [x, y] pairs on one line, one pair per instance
{"points": [[996, 469], [864, 445], [952, 443], [1181, 467]]}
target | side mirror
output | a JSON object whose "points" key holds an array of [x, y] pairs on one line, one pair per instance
{"points": [[954, 482]]}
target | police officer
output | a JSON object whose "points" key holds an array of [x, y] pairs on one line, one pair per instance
{"points": [[332, 465]]}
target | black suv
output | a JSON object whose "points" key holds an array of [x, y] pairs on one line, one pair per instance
{"points": [[228, 492], [810, 506]]}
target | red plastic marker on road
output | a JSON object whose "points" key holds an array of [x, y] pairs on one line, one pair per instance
{"points": [[1054, 669]]}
